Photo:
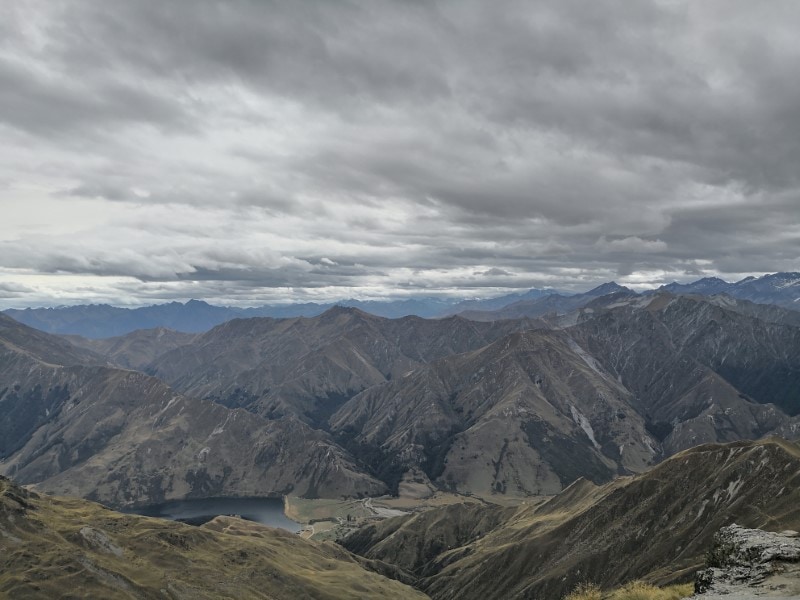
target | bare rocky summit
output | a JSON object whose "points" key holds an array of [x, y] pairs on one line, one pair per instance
{"points": [[749, 563]]}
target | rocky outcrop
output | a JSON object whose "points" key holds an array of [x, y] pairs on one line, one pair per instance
{"points": [[747, 563]]}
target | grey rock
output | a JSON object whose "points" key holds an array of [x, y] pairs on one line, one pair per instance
{"points": [[750, 563]]}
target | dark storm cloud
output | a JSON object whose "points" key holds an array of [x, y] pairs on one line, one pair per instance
{"points": [[263, 145]]}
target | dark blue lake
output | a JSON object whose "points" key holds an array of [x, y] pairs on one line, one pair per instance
{"points": [[267, 511]]}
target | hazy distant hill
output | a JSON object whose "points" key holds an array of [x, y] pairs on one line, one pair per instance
{"points": [[550, 304], [782, 289], [96, 321], [137, 349], [196, 316]]}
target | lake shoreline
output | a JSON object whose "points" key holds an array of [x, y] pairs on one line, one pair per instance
{"points": [[269, 511]]}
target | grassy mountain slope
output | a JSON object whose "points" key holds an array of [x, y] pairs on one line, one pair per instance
{"points": [[656, 525], [134, 350], [68, 548]]}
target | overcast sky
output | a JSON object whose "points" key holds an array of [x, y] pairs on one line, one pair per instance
{"points": [[249, 152]]}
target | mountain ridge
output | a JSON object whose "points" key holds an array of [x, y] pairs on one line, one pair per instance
{"points": [[197, 316]]}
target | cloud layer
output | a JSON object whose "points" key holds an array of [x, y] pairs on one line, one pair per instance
{"points": [[255, 151]]}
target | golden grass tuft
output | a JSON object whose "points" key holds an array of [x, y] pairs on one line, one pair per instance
{"points": [[636, 590], [585, 591]]}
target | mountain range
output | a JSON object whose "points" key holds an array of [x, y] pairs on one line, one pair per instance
{"points": [[74, 425], [97, 321], [196, 316], [348, 404]]}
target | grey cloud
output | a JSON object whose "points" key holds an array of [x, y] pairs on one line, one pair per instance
{"points": [[10, 290], [355, 146]]}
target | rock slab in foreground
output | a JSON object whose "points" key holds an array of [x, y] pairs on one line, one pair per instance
{"points": [[751, 563]]}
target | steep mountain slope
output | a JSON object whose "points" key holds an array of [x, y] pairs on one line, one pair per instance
{"points": [[124, 438], [309, 367], [40, 346], [656, 525], [134, 350], [53, 547], [766, 312], [635, 379], [700, 372], [527, 414]]}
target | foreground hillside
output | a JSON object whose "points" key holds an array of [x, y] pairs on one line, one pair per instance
{"points": [[656, 525], [53, 547]]}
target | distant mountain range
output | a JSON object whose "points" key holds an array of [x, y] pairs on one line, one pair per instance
{"points": [[781, 289], [96, 321]]}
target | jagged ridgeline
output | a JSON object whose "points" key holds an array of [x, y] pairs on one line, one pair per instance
{"points": [[347, 403], [97, 321]]}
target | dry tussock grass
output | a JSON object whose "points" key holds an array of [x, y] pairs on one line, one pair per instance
{"points": [[636, 590]]}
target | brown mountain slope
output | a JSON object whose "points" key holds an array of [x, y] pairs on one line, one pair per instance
{"points": [[52, 547], [137, 349], [20, 339], [527, 414], [309, 366], [656, 525], [700, 373], [124, 438]]}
